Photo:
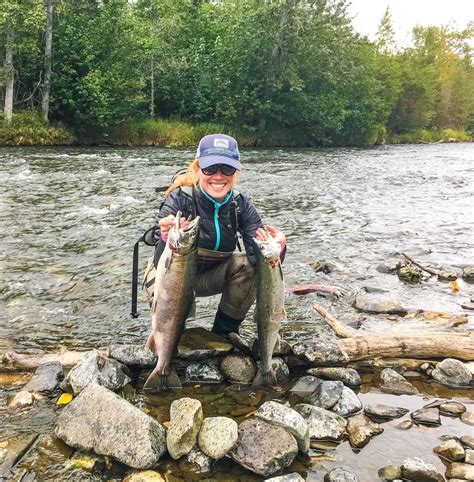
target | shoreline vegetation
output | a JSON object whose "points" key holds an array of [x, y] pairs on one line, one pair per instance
{"points": [[28, 129]]}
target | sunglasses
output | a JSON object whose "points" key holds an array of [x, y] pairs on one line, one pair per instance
{"points": [[224, 168]]}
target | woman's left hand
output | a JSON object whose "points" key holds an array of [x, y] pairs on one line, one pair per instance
{"points": [[261, 234]]}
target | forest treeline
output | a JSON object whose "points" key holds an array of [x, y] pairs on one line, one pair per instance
{"points": [[290, 72]]}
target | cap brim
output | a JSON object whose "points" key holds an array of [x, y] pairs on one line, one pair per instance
{"points": [[207, 161]]}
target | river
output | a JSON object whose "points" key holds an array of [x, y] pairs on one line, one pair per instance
{"points": [[69, 218]]}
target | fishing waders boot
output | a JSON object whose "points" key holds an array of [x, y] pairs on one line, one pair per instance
{"points": [[224, 324]]}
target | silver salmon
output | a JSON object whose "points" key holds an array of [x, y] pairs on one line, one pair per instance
{"points": [[172, 301], [269, 309]]}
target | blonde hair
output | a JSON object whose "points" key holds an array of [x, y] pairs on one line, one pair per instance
{"points": [[191, 177]]}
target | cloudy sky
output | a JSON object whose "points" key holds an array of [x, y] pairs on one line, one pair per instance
{"points": [[408, 13]]}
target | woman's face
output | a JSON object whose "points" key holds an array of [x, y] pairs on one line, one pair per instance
{"points": [[217, 185]]}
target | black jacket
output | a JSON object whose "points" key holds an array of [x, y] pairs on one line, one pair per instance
{"points": [[248, 221]]}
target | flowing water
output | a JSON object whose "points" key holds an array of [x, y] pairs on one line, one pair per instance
{"points": [[69, 218]]}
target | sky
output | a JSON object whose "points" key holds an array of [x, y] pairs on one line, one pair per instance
{"points": [[408, 13]]}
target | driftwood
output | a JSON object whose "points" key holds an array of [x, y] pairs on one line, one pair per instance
{"points": [[441, 273], [408, 345]]}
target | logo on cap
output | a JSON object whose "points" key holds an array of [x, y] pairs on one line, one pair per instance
{"points": [[222, 143]]}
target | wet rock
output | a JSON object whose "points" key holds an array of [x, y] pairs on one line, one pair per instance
{"points": [[348, 404], [391, 265], [468, 418], [373, 304], [467, 441], [361, 429], [452, 373], [293, 477], [468, 274], [340, 475], [452, 409], [145, 476], [393, 382], [379, 412], [101, 421], [281, 369], [15, 447], [185, 423], [46, 378], [21, 400], [410, 273], [97, 368], [469, 456], [239, 369], [324, 266], [323, 424], [448, 274], [319, 351], [217, 436], [348, 376], [305, 386], [132, 355], [418, 470], [405, 425], [203, 372], [450, 450], [87, 461], [390, 472], [197, 462], [326, 394], [427, 416], [458, 470], [200, 344], [263, 448], [285, 417]]}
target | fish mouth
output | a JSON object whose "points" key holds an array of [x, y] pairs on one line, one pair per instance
{"points": [[269, 249], [182, 240]]}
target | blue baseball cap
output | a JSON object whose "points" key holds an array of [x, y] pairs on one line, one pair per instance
{"points": [[218, 149]]}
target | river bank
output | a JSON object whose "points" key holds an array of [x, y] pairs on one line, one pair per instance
{"points": [[27, 129]]}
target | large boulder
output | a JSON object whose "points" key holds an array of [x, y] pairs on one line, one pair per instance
{"points": [[239, 368], [217, 436], [452, 373], [347, 404], [287, 418], [132, 355], [319, 351], [185, 423], [450, 450], [99, 420], [263, 448], [392, 382], [326, 394], [46, 378], [458, 470], [322, 423]]}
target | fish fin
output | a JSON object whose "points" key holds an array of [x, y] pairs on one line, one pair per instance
{"points": [[267, 379], [277, 347], [159, 382], [150, 343]]}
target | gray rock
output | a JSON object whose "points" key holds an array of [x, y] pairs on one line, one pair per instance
{"points": [[469, 456], [378, 412], [450, 450], [390, 472], [427, 416], [322, 423], [21, 400], [198, 462], [217, 436], [46, 378], [467, 441], [132, 355], [15, 449], [340, 475], [452, 409], [305, 386], [319, 351], [185, 423], [361, 429], [420, 470], [200, 344], [375, 304], [99, 420], [458, 470], [239, 369], [452, 373], [277, 414], [97, 368], [393, 382], [263, 448], [348, 376], [203, 372], [348, 404], [468, 273], [326, 394], [293, 477], [468, 418]]}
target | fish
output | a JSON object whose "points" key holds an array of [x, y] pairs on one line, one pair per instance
{"points": [[270, 306], [173, 299]]}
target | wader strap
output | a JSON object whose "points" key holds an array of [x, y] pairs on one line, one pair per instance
{"points": [[134, 313]]}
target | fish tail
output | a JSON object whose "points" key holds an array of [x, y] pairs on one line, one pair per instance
{"points": [[160, 382], [267, 379]]}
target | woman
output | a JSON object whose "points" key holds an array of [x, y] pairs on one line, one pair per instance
{"points": [[208, 187]]}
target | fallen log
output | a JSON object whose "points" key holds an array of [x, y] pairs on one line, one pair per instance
{"points": [[339, 329]]}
